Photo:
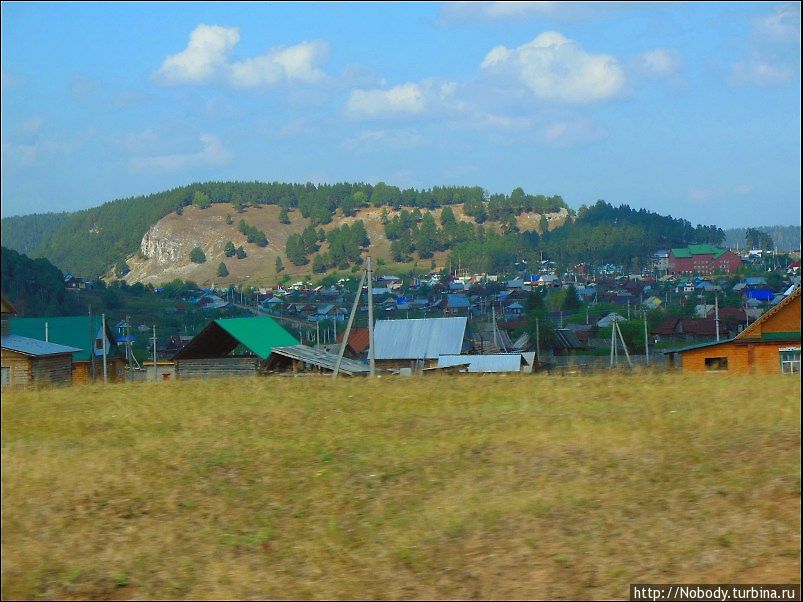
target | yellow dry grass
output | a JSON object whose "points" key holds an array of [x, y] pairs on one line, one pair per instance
{"points": [[487, 487]]}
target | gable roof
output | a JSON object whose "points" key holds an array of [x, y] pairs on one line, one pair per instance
{"points": [[699, 250], [259, 335], [34, 347], [423, 338], [73, 331], [358, 339], [754, 330]]}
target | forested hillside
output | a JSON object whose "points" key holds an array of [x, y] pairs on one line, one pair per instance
{"points": [[784, 238], [90, 241], [24, 233], [34, 286]]}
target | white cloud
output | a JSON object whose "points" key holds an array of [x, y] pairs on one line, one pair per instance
{"points": [[569, 133], [658, 62], [514, 9], [212, 153], [759, 72], [402, 100], [203, 59], [781, 25], [287, 63], [556, 68], [207, 59]]}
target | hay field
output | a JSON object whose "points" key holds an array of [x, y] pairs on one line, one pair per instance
{"points": [[453, 487]]}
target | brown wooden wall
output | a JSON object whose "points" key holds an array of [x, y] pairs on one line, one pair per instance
{"points": [[46, 371], [82, 371], [760, 357], [217, 367]]}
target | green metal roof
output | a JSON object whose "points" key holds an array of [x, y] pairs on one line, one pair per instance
{"points": [[73, 331], [260, 334], [698, 250]]}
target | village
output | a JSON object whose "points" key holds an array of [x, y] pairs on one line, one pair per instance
{"points": [[690, 309]]}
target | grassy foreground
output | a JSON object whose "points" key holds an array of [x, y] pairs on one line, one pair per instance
{"points": [[488, 487]]}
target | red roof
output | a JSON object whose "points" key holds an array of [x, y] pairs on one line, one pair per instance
{"points": [[358, 339]]}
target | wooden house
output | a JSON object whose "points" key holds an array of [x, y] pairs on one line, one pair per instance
{"points": [[770, 345], [27, 362], [231, 347], [83, 334]]}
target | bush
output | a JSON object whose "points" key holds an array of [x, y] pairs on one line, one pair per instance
{"points": [[197, 255]]}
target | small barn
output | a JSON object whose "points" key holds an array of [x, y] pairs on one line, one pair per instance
{"points": [[417, 343], [86, 335], [27, 362], [231, 347], [357, 347], [770, 345]]}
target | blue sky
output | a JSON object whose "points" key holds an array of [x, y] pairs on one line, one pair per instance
{"points": [[686, 109]]}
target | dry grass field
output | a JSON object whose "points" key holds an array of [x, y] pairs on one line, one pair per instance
{"points": [[486, 487]]}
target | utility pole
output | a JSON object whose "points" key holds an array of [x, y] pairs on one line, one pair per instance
{"points": [[348, 325], [716, 314], [621, 338], [154, 353], [47, 334], [613, 340], [103, 344], [537, 341], [317, 333], [91, 344], [646, 340], [371, 350]]}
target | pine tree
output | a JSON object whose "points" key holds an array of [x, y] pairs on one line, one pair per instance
{"points": [[279, 264], [229, 250], [222, 270], [241, 254]]}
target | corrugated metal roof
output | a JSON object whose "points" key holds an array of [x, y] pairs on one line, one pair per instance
{"points": [[321, 359], [497, 362], [425, 338], [34, 347]]}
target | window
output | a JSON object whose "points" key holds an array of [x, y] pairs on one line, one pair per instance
{"points": [[716, 364], [790, 360], [6, 376]]}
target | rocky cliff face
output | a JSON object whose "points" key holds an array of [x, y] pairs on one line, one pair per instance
{"points": [[160, 247]]}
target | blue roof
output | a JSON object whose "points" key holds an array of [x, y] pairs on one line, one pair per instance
{"points": [[761, 294], [34, 347], [457, 301]]}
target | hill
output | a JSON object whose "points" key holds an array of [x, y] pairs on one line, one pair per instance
{"points": [[445, 488], [785, 238], [165, 248], [24, 233]]}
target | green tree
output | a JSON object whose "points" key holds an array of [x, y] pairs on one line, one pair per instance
{"points": [[121, 268], [284, 217], [543, 224], [240, 253], [222, 270], [229, 249], [447, 218], [279, 265], [197, 255], [318, 263], [229, 219], [201, 200], [570, 300]]}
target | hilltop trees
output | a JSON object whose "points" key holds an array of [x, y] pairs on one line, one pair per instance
{"points": [[201, 200]]}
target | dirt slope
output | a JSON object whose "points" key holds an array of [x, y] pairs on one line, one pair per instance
{"points": [[165, 249]]}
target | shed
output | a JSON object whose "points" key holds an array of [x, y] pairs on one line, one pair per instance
{"points": [[488, 363], [30, 362], [86, 336], [297, 357], [400, 343], [251, 340]]}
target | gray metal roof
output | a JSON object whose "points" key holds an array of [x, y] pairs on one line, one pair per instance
{"points": [[425, 338], [34, 347], [497, 362], [322, 359]]}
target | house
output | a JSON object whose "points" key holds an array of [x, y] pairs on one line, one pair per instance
{"points": [[26, 362], [609, 319], [86, 335], [770, 345], [702, 259], [357, 347], [675, 328], [419, 342], [231, 347]]}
